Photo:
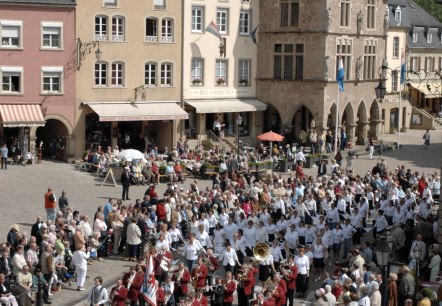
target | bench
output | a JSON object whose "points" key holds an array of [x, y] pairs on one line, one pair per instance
{"points": [[209, 174]]}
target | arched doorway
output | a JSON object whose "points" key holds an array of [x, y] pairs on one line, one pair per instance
{"points": [[53, 135], [347, 122], [361, 121], [272, 119], [331, 119], [302, 122]]}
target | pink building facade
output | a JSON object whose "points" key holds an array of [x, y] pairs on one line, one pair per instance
{"points": [[37, 67]]}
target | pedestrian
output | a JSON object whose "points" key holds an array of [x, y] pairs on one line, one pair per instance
{"points": [[50, 205], [381, 148], [79, 260], [343, 139], [426, 139], [4, 155], [125, 181], [63, 203], [133, 239], [98, 294], [370, 147]]}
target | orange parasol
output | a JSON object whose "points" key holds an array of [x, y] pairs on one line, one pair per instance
{"points": [[270, 136]]}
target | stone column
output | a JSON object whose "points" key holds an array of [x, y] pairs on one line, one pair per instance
{"points": [[362, 132], [70, 149], [376, 127], [351, 129], [201, 126]]}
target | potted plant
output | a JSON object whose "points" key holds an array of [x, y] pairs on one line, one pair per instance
{"points": [[220, 81], [284, 164], [269, 164], [162, 169], [207, 167], [243, 82], [252, 165], [196, 82]]}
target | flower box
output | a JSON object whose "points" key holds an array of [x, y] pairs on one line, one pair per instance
{"points": [[220, 81]]}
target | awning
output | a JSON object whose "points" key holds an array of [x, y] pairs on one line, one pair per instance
{"points": [[227, 105], [138, 111], [428, 90], [21, 115]]}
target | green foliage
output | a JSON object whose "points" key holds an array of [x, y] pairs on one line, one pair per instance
{"points": [[431, 7]]}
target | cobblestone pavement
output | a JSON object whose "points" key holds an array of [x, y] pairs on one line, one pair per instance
{"points": [[22, 190]]}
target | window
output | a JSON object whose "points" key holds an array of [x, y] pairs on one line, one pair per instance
{"points": [[196, 73], [429, 64], [12, 79], [415, 63], [166, 74], [11, 34], [371, 14], [110, 3], [345, 13], [289, 12], [118, 28], [429, 38], [51, 80], [394, 81], [398, 15], [51, 36], [167, 30], [244, 72], [396, 47], [197, 18], [244, 23], [288, 61], [117, 78], [101, 27], [369, 59], [440, 64], [222, 20], [159, 4], [221, 72], [415, 36], [101, 74], [150, 74], [151, 30], [344, 48]]}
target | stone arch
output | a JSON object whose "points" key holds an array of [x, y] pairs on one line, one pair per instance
{"points": [[56, 127], [361, 124], [272, 119], [348, 122], [331, 118], [302, 121], [375, 119]]}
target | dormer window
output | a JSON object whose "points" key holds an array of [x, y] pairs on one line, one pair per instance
{"points": [[415, 36], [398, 15], [429, 38]]}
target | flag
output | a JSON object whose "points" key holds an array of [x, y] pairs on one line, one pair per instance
{"points": [[340, 74], [253, 35], [149, 289], [212, 28], [403, 68]]}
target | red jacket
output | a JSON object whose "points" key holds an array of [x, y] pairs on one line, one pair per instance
{"points": [[291, 277], [119, 296], [248, 283], [255, 272], [228, 293], [203, 300], [134, 289], [283, 285], [185, 279], [161, 211], [214, 262], [160, 296], [269, 302], [195, 303], [279, 295], [203, 272]]}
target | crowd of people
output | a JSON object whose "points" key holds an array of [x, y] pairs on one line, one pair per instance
{"points": [[257, 239]]}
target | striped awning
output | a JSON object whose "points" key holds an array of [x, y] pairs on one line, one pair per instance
{"points": [[21, 115]]}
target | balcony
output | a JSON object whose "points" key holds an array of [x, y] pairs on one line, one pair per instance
{"points": [[101, 37], [151, 39], [118, 38]]}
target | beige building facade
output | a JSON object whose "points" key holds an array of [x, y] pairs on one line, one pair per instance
{"points": [[300, 43], [131, 95], [220, 67]]}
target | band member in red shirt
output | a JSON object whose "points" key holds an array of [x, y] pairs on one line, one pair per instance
{"points": [[192, 301], [280, 291], [201, 298], [160, 295], [133, 282], [290, 272], [230, 288], [118, 294], [199, 274], [181, 277], [269, 300]]}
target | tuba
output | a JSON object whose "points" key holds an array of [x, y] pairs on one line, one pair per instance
{"points": [[261, 251]]}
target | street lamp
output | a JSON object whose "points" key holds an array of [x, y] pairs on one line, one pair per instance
{"points": [[382, 255], [238, 123], [380, 90], [417, 252], [84, 49]]}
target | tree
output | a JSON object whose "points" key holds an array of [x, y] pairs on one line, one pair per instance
{"points": [[431, 7]]}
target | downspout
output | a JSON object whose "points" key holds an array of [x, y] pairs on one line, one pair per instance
{"points": [[182, 66]]}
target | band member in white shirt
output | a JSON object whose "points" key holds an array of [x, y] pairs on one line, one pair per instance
{"points": [[250, 235], [303, 264], [239, 244], [191, 249], [203, 237], [229, 259], [292, 238]]}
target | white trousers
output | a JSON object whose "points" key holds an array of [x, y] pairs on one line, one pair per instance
{"points": [[9, 300], [81, 275]]}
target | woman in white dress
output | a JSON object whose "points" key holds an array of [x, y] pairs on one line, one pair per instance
{"points": [[79, 259], [219, 239]]}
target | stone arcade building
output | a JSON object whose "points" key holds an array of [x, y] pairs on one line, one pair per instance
{"points": [[299, 46]]}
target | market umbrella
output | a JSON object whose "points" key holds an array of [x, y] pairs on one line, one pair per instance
{"points": [[131, 154], [270, 136]]}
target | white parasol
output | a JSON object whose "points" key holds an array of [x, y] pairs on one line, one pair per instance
{"points": [[131, 154]]}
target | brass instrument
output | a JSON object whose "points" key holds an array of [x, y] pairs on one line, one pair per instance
{"points": [[270, 285], [261, 251]]}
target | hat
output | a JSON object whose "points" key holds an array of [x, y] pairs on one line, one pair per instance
{"points": [[15, 227]]}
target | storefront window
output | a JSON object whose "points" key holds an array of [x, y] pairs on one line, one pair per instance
{"points": [[97, 133], [244, 127]]}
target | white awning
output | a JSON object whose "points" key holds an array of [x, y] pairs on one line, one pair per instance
{"points": [[138, 111], [227, 105], [428, 89], [21, 115]]}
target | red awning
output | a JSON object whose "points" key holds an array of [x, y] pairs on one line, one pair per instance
{"points": [[20, 115]]}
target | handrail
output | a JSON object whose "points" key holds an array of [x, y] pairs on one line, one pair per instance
{"points": [[211, 136]]}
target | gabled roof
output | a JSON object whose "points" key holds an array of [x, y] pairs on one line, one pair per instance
{"points": [[417, 15], [40, 2]]}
